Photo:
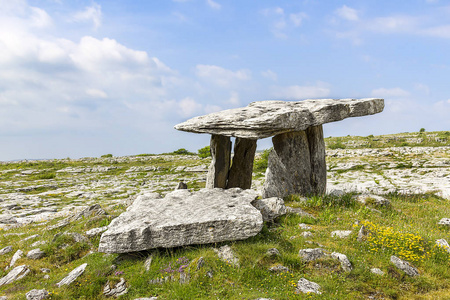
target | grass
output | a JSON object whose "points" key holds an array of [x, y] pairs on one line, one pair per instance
{"points": [[407, 228]]}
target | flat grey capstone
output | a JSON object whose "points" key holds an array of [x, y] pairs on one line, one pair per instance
{"points": [[263, 119], [183, 218]]}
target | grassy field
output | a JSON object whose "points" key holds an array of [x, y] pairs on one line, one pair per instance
{"points": [[407, 228]]}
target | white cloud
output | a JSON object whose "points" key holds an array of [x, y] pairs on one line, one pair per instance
{"points": [[96, 93], [40, 18], [390, 93], [234, 99], [394, 24], [213, 4], [437, 31], [298, 18], [347, 13], [270, 75], [212, 108], [297, 92], [188, 107], [90, 14], [422, 88], [220, 76]]}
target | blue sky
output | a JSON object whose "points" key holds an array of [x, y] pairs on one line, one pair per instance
{"points": [[85, 78]]}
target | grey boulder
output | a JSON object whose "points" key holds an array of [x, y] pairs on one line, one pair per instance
{"points": [[37, 294], [306, 286], [35, 254], [270, 208], [311, 254], [183, 218], [404, 266]]}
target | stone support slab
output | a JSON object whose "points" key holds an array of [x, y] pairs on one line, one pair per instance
{"points": [[220, 162], [296, 164], [240, 174]]}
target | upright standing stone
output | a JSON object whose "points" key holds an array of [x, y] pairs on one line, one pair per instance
{"points": [[317, 156], [240, 174], [220, 163], [289, 166]]}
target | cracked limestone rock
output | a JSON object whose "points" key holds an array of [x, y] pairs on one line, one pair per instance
{"points": [[341, 233], [15, 274], [183, 218], [117, 290], [404, 266], [444, 221], [72, 276], [311, 254], [306, 286], [35, 254], [342, 258], [37, 294]]}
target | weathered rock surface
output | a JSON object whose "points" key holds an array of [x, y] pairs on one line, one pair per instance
{"points": [[16, 256], [117, 290], [372, 199], [341, 233], [270, 208], [404, 266], [73, 275], [15, 274], [6, 250], [35, 254], [226, 254], [183, 218], [311, 254], [263, 119], [342, 258], [292, 166], [444, 221], [306, 286], [240, 174], [377, 271], [220, 162], [37, 294]]}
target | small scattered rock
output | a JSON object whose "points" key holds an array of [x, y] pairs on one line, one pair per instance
{"points": [[30, 237], [38, 243], [226, 254], [279, 268], [273, 252], [35, 254], [342, 258], [16, 256], [372, 199], [341, 233], [200, 263], [362, 234], [306, 286], [443, 244], [15, 274], [181, 186], [37, 294], [117, 290], [298, 211], [96, 231], [270, 208], [304, 226], [377, 271], [306, 234], [148, 262], [311, 254], [444, 221], [404, 266], [6, 250], [45, 270], [73, 275]]}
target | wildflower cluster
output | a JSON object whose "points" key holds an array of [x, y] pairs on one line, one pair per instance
{"points": [[408, 246], [178, 266]]}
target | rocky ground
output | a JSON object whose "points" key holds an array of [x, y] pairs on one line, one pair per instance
{"points": [[39, 198]]}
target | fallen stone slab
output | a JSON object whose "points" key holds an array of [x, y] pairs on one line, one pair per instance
{"points": [[183, 218], [305, 286], [264, 119], [37, 294], [15, 274], [404, 266], [73, 275]]}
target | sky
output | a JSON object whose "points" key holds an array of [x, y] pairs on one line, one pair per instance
{"points": [[85, 78]]}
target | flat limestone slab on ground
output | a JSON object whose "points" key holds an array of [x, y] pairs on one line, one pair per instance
{"points": [[183, 218]]}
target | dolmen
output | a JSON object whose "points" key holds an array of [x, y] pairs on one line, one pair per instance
{"points": [[296, 164]]}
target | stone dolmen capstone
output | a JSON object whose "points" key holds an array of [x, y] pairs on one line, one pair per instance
{"points": [[297, 162]]}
